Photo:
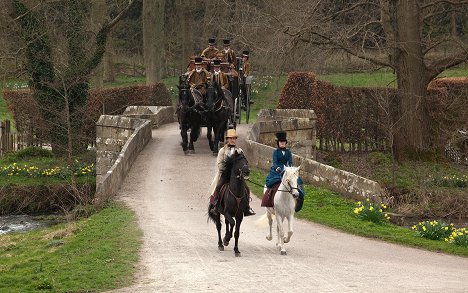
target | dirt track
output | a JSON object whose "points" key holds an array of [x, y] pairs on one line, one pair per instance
{"points": [[168, 190]]}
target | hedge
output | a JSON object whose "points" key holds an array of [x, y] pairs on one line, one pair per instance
{"points": [[358, 119], [112, 101]]}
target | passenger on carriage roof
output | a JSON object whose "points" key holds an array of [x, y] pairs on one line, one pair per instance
{"points": [[211, 51], [218, 180], [227, 54], [218, 75], [282, 157], [199, 76]]}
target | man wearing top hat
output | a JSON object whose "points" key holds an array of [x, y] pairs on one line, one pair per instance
{"points": [[218, 75], [227, 54], [199, 76], [211, 51], [246, 68], [245, 72]]}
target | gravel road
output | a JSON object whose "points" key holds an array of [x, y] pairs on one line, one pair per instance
{"points": [[167, 190]]}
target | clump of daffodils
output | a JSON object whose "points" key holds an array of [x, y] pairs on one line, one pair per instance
{"points": [[54, 172], [455, 181], [435, 230], [370, 211], [458, 237]]}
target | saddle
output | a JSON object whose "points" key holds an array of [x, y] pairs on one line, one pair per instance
{"points": [[269, 196]]}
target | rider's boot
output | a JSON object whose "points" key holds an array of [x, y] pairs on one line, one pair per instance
{"points": [[249, 212]]}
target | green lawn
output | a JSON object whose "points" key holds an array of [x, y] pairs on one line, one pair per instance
{"points": [[89, 255], [330, 209]]}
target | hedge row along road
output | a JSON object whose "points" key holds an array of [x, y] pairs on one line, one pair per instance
{"points": [[168, 190]]}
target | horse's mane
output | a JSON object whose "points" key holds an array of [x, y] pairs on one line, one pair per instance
{"points": [[231, 159]]}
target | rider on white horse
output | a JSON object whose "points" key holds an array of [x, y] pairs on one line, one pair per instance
{"points": [[282, 157]]}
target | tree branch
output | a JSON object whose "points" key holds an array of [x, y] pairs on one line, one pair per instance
{"points": [[353, 51], [439, 66], [455, 3]]}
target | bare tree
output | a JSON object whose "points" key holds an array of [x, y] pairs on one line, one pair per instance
{"points": [[409, 36]]}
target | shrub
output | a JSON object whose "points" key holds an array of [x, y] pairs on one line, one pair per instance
{"points": [[33, 152], [378, 158], [434, 230], [370, 211], [459, 237], [333, 160]]}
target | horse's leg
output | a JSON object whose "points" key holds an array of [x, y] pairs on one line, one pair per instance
{"points": [[219, 133], [237, 233], [218, 227], [183, 134], [228, 235], [192, 139], [270, 222], [290, 228], [210, 137], [279, 222]]}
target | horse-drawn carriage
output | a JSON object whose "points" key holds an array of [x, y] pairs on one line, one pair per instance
{"points": [[217, 108], [239, 86]]}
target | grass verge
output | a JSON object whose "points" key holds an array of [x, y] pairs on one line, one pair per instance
{"points": [[93, 254], [330, 209]]}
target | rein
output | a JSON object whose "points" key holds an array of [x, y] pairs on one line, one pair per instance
{"points": [[289, 191], [245, 189]]}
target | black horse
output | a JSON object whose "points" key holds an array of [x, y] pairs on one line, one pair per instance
{"points": [[233, 199], [219, 111], [189, 114]]}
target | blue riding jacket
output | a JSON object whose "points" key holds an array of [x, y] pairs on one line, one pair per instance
{"points": [[282, 158]]}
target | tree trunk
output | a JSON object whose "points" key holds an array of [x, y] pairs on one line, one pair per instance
{"points": [[98, 15], [153, 39], [412, 135]]}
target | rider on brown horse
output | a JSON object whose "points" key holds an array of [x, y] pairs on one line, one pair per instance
{"points": [[218, 180]]}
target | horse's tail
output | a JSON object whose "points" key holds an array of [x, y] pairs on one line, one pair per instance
{"points": [[262, 222]]}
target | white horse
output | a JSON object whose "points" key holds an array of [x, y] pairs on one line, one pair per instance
{"points": [[284, 207]]}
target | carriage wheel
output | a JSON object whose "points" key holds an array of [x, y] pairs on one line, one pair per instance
{"points": [[237, 113], [247, 104]]}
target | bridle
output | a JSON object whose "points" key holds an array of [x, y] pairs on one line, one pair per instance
{"points": [[290, 189], [186, 92]]}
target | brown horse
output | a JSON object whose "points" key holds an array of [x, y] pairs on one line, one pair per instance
{"points": [[233, 199]]}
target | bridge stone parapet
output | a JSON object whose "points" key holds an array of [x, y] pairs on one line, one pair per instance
{"points": [[158, 115], [299, 124], [300, 127], [119, 140]]}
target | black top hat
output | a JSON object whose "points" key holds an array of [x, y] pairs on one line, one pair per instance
{"points": [[216, 62], [245, 53], [198, 60], [211, 41], [281, 136], [226, 42]]}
